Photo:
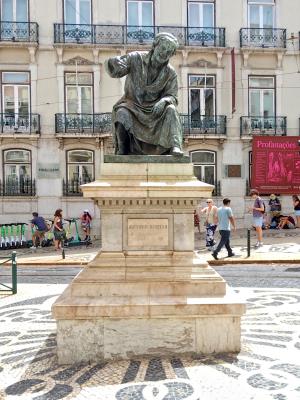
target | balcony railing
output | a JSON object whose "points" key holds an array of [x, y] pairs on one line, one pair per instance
{"points": [[204, 125], [72, 187], [263, 37], [19, 31], [18, 187], [130, 34], [273, 126], [217, 189], [83, 123], [19, 123]]}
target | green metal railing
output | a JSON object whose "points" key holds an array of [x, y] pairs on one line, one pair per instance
{"points": [[14, 277]]}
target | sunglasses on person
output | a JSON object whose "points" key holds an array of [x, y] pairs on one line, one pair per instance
{"points": [[208, 202]]}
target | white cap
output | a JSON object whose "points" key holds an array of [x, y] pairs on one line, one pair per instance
{"points": [[86, 211]]}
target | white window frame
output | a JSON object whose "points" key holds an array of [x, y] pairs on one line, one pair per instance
{"points": [[79, 86], [140, 13], [203, 166], [201, 13], [261, 92], [17, 164], [16, 94], [261, 5], [77, 11], [80, 164], [14, 10], [202, 93]]}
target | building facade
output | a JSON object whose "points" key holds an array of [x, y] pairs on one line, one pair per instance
{"points": [[238, 69]]}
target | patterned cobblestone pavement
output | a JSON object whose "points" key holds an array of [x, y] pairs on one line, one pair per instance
{"points": [[268, 366]]}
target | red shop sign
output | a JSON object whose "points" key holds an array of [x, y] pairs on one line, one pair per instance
{"points": [[276, 164]]}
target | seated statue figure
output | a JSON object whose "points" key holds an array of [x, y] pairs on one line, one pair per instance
{"points": [[145, 119]]}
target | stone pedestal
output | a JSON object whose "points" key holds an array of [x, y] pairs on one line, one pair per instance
{"points": [[146, 293]]}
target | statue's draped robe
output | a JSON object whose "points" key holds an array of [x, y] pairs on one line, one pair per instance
{"points": [[149, 133]]}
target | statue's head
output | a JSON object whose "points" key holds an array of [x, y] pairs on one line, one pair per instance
{"points": [[164, 47]]}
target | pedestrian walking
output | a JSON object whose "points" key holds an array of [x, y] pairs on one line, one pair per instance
{"points": [[211, 221], [86, 220], [258, 210], [296, 202], [58, 229], [225, 220]]}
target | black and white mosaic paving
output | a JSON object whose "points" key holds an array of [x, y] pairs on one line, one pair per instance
{"points": [[268, 366]]}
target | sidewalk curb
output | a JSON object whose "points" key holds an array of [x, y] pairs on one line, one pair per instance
{"points": [[210, 262], [251, 261]]}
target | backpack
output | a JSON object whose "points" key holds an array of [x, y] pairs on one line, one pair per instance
{"points": [[264, 206]]}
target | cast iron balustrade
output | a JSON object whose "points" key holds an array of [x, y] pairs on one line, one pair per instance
{"points": [[19, 31], [19, 123], [13, 186], [217, 189], [272, 126], [263, 37], [131, 34], [204, 125], [83, 123], [71, 187]]}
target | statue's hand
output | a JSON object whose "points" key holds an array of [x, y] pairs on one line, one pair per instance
{"points": [[159, 107]]}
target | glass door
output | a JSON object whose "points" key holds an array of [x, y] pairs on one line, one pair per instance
{"points": [[202, 101], [78, 12], [261, 23], [16, 107], [201, 23], [14, 19], [140, 21]]}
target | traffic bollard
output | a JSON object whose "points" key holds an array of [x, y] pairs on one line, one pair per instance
{"points": [[248, 243]]}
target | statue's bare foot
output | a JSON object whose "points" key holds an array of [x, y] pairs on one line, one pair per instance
{"points": [[175, 151]]}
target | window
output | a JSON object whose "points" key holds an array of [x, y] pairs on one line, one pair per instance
{"points": [[15, 93], [140, 21], [16, 102], [204, 166], [77, 12], [261, 19], [17, 172], [201, 97], [14, 10], [79, 93], [262, 96], [80, 166], [201, 14]]}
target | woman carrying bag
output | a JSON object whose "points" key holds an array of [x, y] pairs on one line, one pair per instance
{"points": [[211, 223]]}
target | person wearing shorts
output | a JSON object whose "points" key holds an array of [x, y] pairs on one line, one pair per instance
{"points": [[41, 228], [258, 215]]}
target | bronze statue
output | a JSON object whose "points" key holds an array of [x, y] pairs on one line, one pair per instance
{"points": [[145, 120]]}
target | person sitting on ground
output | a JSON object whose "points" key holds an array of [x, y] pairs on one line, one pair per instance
{"points": [[274, 222], [86, 220], [275, 206], [40, 229], [286, 222]]}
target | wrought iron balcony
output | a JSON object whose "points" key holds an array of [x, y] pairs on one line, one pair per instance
{"points": [[131, 34], [19, 31], [203, 125], [263, 37], [217, 189], [83, 124], [71, 187], [273, 126], [13, 186], [19, 123]]}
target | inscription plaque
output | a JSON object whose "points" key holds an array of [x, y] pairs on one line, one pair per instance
{"points": [[148, 232]]}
